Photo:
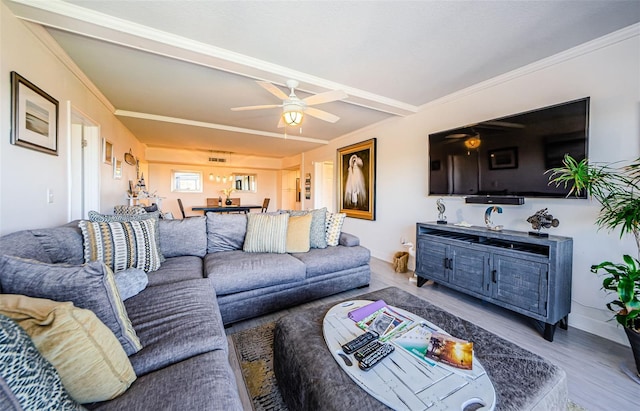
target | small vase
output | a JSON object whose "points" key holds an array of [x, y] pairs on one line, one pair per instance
{"points": [[227, 201]]}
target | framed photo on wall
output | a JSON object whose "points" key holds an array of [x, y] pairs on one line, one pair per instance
{"points": [[34, 116], [107, 151], [117, 168], [357, 180]]}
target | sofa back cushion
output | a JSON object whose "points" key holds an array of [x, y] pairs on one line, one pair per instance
{"points": [[91, 286], [187, 236], [62, 244], [31, 382], [266, 233], [23, 244], [225, 232], [87, 355]]}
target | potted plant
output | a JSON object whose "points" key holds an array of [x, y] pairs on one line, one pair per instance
{"points": [[616, 186], [227, 192]]}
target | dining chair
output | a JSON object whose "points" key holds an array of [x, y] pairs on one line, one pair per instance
{"points": [[265, 204], [181, 208], [212, 202], [235, 201]]}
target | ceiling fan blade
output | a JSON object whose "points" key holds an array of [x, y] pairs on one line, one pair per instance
{"points": [[255, 107], [326, 97], [322, 115], [273, 89], [281, 123]]}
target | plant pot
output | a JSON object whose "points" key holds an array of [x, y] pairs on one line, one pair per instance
{"points": [[634, 340], [227, 201]]}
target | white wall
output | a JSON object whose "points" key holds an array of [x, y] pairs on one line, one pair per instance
{"points": [[607, 70], [25, 175]]}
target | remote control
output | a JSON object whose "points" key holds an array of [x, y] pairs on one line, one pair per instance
{"points": [[375, 357], [359, 342], [367, 349]]}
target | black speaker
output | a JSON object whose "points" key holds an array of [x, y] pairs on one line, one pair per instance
{"points": [[508, 200]]}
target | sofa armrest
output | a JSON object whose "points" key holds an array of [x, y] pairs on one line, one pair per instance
{"points": [[348, 240]]}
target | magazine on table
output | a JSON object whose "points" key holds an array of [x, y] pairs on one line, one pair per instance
{"points": [[386, 322], [431, 346]]}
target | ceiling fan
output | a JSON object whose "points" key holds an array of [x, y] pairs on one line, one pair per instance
{"points": [[294, 108]]}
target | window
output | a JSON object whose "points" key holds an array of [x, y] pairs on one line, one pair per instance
{"points": [[186, 181]]}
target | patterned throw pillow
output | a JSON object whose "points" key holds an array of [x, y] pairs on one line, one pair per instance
{"points": [[91, 286], [317, 234], [94, 216], [27, 380], [87, 355], [121, 245], [298, 233], [334, 227], [129, 210], [266, 233]]}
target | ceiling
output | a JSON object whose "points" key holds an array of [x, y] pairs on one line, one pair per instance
{"points": [[172, 70]]}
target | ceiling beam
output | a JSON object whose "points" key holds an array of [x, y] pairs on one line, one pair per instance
{"points": [[74, 19]]}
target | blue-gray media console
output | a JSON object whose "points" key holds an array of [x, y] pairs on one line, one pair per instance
{"points": [[527, 274]]}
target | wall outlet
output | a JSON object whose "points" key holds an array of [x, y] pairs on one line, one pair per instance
{"points": [[49, 196]]}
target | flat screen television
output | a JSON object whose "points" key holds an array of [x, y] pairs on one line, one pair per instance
{"points": [[508, 156]]}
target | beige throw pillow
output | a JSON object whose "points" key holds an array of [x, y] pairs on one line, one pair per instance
{"points": [[87, 355], [298, 240]]}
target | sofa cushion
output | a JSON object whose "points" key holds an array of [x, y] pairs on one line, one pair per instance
{"points": [[91, 286], [320, 261], [62, 244], [266, 233], [175, 322], [23, 244], [334, 227], [121, 245], [129, 210], [176, 269], [130, 282], [187, 236], [225, 232], [317, 234], [205, 382], [27, 380], [236, 271], [88, 357], [298, 233]]}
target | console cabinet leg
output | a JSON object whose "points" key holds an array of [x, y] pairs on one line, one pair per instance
{"points": [[549, 330], [421, 281], [564, 322]]}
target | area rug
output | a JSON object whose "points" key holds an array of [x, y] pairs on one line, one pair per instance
{"points": [[254, 348]]}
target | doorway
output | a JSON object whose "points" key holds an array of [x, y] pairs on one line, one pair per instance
{"points": [[323, 190], [84, 164]]}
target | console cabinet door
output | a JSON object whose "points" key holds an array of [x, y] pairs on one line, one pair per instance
{"points": [[520, 282], [432, 259], [470, 269]]}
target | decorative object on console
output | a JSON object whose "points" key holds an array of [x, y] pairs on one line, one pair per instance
{"points": [[541, 219], [227, 192], [617, 189], [487, 218], [357, 176], [442, 219]]}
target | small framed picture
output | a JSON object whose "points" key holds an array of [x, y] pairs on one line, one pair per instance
{"points": [[107, 151], [503, 158], [34, 116], [117, 168]]}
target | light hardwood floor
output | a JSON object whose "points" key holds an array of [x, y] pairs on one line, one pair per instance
{"points": [[592, 363]]}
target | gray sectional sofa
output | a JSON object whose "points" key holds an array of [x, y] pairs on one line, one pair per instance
{"points": [[206, 282]]}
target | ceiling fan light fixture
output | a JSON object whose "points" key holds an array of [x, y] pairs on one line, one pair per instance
{"points": [[293, 118]]}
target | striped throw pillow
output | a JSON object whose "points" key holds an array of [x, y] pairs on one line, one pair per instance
{"points": [[266, 233], [122, 245], [334, 227]]}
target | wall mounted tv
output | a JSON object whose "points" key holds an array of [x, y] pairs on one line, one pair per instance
{"points": [[508, 156]]}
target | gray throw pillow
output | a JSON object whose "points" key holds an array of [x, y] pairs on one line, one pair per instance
{"points": [[317, 234], [187, 236], [225, 232], [27, 380], [130, 282], [91, 286]]}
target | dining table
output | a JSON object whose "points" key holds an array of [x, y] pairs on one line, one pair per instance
{"points": [[226, 208]]}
